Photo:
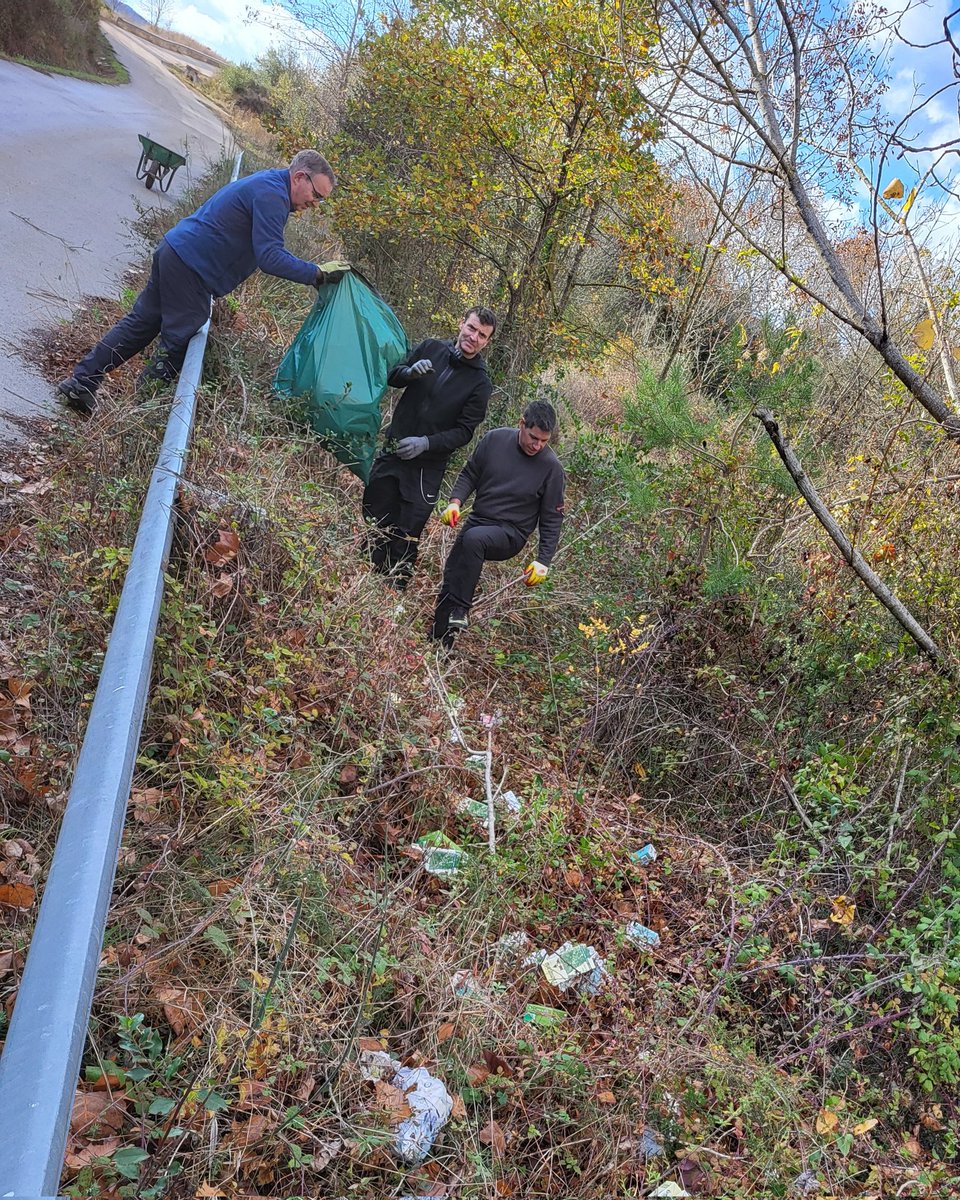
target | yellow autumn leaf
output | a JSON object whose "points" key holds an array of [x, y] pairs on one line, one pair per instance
{"points": [[827, 1121], [923, 333], [865, 1126], [842, 911], [908, 203], [775, 368], [893, 190], [955, 351]]}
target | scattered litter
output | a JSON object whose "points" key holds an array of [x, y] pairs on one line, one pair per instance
{"points": [[513, 942], [476, 809], [640, 935], [577, 967], [479, 811], [805, 1184], [432, 1105], [443, 862], [375, 1065], [511, 800], [648, 1146], [544, 1016], [668, 1189], [645, 855], [465, 983], [476, 762], [436, 839], [441, 855], [534, 959]]}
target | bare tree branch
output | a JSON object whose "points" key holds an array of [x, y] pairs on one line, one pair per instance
{"points": [[853, 557]]}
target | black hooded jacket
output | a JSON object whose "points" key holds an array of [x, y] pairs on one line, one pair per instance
{"points": [[445, 405]]}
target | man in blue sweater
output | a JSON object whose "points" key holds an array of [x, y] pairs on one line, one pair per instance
{"points": [[207, 254], [519, 485]]}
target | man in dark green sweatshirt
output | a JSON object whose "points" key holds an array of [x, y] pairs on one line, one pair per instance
{"points": [[519, 485]]}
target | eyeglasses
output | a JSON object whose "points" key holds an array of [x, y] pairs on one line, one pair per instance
{"points": [[316, 195]]}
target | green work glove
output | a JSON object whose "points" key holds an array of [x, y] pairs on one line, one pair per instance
{"points": [[331, 272]]}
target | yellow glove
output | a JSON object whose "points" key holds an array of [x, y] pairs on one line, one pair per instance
{"points": [[451, 514], [534, 574], [335, 264]]}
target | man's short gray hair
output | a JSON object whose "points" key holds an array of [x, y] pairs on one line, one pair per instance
{"points": [[313, 163]]}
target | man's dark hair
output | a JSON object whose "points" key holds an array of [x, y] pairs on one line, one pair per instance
{"points": [[313, 163], [540, 415], [486, 316]]}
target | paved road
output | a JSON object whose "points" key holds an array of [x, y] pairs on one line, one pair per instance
{"points": [[68, 192]]}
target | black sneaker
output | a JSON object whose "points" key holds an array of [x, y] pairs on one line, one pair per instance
{"points": [[458, 620], [77, 396]]}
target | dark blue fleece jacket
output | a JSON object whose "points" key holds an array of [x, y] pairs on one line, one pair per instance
{"points": [[239, 229]]}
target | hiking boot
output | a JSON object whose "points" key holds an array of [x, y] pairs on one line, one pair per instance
{"points": [[458, 619], [78, 396]]}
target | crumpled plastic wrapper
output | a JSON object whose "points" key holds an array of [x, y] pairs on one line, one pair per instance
{"points": [[432, 1105]]}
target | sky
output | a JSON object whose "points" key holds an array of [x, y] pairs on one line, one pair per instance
{"points": [[918, 64], [240, 30], [917, 68]]}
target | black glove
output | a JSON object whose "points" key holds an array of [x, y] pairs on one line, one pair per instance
{"points": [[412, 447], [423, 366]]}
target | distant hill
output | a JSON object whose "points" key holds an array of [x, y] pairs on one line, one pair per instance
{"points": [[127, 12]]}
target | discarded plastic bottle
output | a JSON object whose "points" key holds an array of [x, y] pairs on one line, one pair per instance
{"points": [[645, 855], [544, 1016]]}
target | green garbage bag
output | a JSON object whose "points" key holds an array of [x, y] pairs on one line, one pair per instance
{"points": [[338, 366]]}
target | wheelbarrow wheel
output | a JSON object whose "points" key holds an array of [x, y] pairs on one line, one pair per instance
{"points": [[152, 175]]}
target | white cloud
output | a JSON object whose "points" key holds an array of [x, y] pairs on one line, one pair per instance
{"points": [[240, 30]]}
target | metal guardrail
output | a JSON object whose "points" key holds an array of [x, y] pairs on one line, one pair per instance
{"points": [[41, 1058]]}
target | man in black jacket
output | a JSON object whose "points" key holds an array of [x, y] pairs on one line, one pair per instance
{"points": [[445, 393], [519, 485]]}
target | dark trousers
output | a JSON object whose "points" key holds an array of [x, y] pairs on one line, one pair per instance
{"points": [[478, 542], [397, 502], [174, 304]]}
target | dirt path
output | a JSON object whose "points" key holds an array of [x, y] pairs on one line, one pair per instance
{"points": [[68, 193]]}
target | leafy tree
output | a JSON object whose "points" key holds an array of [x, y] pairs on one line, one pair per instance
{"points": [[490, 151], [772, 107]]}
